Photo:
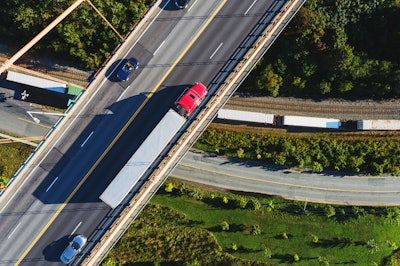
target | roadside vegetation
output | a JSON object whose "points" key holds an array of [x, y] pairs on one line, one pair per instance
{"points": [[12, 155], [187, 225], [362, 154], [345, 48]]}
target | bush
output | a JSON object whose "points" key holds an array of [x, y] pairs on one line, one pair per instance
{"points": [[255, 230], [224, 226], [253, 204]]}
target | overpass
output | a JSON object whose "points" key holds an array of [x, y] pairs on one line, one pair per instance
{"points": [[86, 149]]}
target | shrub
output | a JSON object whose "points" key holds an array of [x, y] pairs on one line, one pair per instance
{"points": [[224, 226], [329, 211], [253, 204], [296, 257], [169, 187], [255, 230]]}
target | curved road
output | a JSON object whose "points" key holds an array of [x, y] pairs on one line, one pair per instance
{"points": [[250, 176]]}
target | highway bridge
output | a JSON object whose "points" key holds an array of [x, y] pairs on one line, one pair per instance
{"points": [[56, 194]]}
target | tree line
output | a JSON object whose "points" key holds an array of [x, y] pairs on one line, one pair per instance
{"points": [[370, 156], [83, 36], [343, 48]]}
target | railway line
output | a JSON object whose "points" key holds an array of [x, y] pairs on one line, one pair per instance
{"points": [[333, 108], [340, 109]]}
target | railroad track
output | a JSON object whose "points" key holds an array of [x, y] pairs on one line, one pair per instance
{"points": [[340, 109]]}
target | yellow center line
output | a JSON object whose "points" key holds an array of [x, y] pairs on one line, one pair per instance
{"points": [[121, 132], [32, 122], [288, 184]]}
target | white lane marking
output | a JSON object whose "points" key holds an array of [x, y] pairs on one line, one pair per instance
{"points": [[13, 231], [250, 7], [192, 6], [137, 40], [159, 47], [216, 50], [83, 107], [83, 144], [73, 231], [52, 183]]}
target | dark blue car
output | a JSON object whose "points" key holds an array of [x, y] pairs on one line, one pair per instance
{"points": [[181, 3], [128, 68]]}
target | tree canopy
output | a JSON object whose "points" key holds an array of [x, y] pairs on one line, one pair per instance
{"points": [[335, 48], [82, 36]]}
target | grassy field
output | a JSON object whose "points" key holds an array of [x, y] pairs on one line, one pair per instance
{"points": [[12, 155], [273, 234]]}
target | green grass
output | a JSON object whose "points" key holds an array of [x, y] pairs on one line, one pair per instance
{"points": [[354, 235], [12, 155]]}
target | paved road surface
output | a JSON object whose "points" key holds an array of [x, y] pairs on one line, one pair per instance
{"points": [[250, 176]]}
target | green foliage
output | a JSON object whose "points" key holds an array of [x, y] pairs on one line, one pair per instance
{"points": [[189, 229], [169, 187], [372, 246], [225, 200], [267, 253], [330, 211], [234, 247], [323, 261], [12, 156], [315, 239], [255, 230], [296, 258], [330, 49], [82, 36], [253, 204], [224, 226], [372, 156]]}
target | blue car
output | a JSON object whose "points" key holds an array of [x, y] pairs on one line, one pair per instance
{"points": [[127, 70], [181, 4]]}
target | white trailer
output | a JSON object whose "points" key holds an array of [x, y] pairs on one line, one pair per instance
{"points": [[36, 82], [378, 124], [245, 116], [142, 159], [303, 121]]}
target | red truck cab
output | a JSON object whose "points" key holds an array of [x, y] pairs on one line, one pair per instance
{"points": [[190, 99]]}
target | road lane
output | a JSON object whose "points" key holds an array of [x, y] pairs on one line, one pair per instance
{"points": [[106, 114], [252, 176]]}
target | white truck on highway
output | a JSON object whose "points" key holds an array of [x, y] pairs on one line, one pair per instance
{"points": [[152, 146]]}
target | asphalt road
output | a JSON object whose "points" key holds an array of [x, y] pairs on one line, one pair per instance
{"points": [[60, 196], [255, 177]]}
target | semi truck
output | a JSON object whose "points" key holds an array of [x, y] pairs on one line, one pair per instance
{"points": [[152, 147]]}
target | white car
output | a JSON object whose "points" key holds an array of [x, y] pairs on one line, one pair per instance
{"points": [[73, 248]]}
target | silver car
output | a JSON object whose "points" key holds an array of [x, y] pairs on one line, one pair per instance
{"points": [[73, 248]]}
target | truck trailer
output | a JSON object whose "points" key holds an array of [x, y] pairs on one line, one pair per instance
{"points": [[147, 153], [303, 121], [378, 124]]}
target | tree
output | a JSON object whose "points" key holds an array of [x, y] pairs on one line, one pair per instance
{"points": [[372, 246], [317, 167], [269, 81], [169, 187], [225, 226], [255, 230], [330, 211], [267, 253]]}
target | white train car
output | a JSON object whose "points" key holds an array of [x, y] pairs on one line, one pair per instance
{"points": [[303, 121], [245, 116], [378, 124]]}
